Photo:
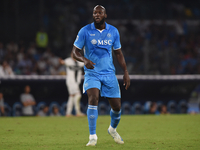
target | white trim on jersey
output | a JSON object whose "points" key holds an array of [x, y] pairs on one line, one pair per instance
{"points": [[117, 48], [78, 47]]}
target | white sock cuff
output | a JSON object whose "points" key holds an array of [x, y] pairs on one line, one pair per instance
{"points": [[92, 107], [115, 112]]}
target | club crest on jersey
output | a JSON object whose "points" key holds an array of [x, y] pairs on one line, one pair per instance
{"points": [[109, 35], [94, 42]]}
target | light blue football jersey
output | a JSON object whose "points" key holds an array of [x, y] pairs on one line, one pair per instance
{"points": [[97, 46]]}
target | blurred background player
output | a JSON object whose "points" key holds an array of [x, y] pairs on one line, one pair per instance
{"points": [[73, 79], [28, 102], [1, 104]]}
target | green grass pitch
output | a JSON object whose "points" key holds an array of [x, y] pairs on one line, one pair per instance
{"points": [[140, 132]]}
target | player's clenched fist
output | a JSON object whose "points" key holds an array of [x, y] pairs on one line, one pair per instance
{"points": [[88, 63]]}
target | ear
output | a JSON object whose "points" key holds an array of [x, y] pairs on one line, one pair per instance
{"points": [[105, 15]]}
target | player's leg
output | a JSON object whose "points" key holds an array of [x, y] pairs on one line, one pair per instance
{"points": [[92, 114], [70, 102], [111, 90], [77, 99], [115, 114], [115, 111], [92, 85], [69, 105]]}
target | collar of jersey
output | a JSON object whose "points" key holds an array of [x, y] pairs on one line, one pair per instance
{"points": [[94, 28]]}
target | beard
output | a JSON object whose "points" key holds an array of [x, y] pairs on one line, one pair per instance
{"points": [[99, 23]]}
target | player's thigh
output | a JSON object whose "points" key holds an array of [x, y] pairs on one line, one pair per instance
{"points": [[91, 81], [110, 87], [91, 86]]}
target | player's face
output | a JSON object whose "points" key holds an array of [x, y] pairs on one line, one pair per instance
{"points": [[99, 15]]}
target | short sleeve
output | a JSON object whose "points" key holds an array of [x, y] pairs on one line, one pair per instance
{"points": [[80, 39], [66, 62], [117, 44], [81, 64]]}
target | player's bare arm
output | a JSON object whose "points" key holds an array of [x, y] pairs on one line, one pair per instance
{"points": [[26, 103], [2, 110], [79, 57], [61, 61], [33, 103], [120, 58]]}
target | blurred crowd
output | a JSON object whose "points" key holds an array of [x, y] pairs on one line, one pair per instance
{"points": [[161, 47], [150, 47], [21, 60], [160, 37], [28, 106]]}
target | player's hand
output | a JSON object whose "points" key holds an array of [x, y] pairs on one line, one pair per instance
{"points": [[61, 61], [88, 63], [126, 80]]}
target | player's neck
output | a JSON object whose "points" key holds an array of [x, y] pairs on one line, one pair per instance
{"points": [[100, 26]]}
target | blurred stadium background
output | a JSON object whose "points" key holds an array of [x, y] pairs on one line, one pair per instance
{"points": [[160, 41]]}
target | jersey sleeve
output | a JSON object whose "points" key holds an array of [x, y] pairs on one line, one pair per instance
{"points": [[117, 44], [66, 62], [81, 64], [80, 39]]}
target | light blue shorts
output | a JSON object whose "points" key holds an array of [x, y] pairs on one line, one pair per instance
{"points": [[107, 84]]}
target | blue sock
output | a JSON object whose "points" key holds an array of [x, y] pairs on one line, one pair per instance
{"points": [[92, 115], [115, 118]]}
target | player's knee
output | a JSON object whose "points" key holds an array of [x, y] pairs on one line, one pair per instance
{"points": [[117, 107], [93, 100]]}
